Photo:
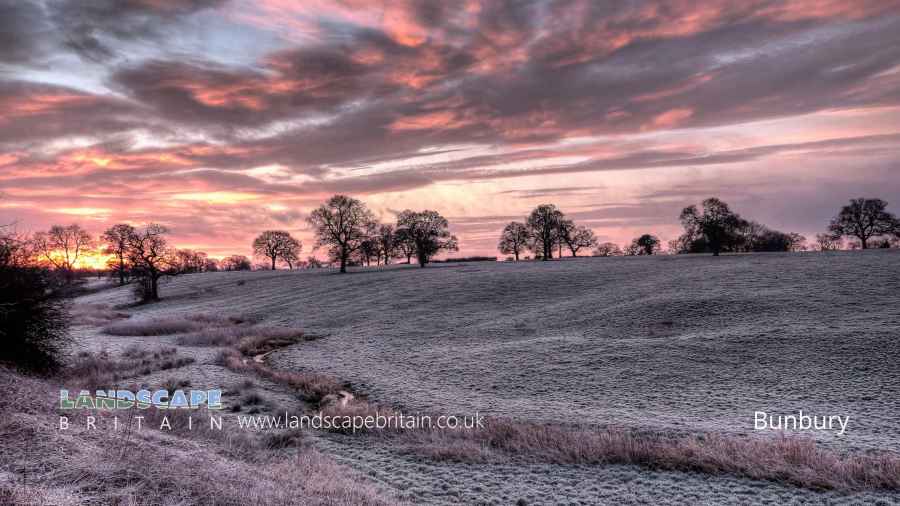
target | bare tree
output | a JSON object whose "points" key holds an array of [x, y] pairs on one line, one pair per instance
{"points": [[62, 246], [644, 245], [405, 244], [189, 261], [16, 250], [514, 239], [277, 245], [577, 238], [341, 224], [797, 242], [116, 239], [291, 255], [717, 224], [753, 236], [368, 250], [676, 246], [543, 225], [608, 249], [151, 258], [386, 242], [236, 263], [212, 265], [828, 242], [864, 219], [429, 231]]}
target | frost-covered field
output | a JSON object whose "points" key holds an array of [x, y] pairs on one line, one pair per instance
{"points": [[683, 343]]}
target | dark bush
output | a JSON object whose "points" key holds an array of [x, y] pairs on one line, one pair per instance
{"points": [[34, 319]]}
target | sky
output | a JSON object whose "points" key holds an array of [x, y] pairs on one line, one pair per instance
{"points": [[223, 118]]}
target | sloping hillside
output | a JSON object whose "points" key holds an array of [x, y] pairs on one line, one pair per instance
{"points": [[677, 342], [670, 343]]}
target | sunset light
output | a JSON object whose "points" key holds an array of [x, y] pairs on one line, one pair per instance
{"points": [[402, 108], [449, 252]]}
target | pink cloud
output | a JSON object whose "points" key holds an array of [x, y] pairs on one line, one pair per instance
{"points": [[672, 117]]}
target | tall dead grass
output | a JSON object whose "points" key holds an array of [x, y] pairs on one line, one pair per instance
{"points": [[791, 460], [312, 387], [44, 465], [95, 314], [249, 339], [94, 371], [169, 325]]}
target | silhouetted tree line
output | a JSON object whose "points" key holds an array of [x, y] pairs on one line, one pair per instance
{"points": [[140, 256], [715, 228], [545, 231], [143, 256], [352, 236], [711, 228]]}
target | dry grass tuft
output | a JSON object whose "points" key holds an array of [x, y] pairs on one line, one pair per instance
{"points": [[289, 438], [250, 339], [95, 314], [265, 339], [99, 371], [357, 408], [171, 325], [312, 387], [215, 336], [158, 327]]}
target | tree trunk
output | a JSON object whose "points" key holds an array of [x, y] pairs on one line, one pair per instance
{"points": [[517, 255], [343, 262], [273, 263], [863, 242]]}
